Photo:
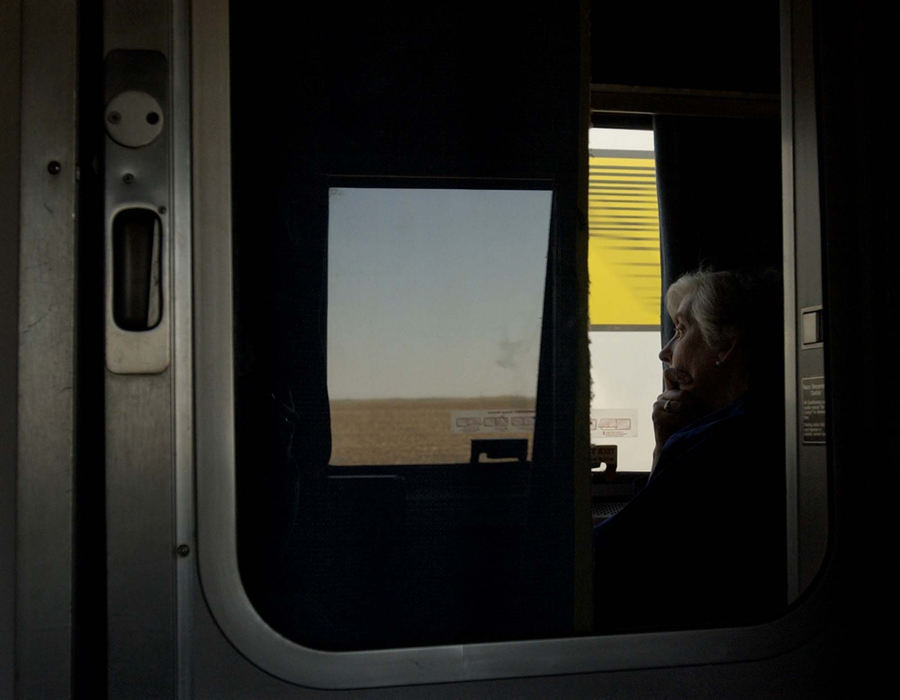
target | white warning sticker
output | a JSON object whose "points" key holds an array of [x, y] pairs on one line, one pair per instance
{"points": [[605, 422], [613, 423], [492, 421]]}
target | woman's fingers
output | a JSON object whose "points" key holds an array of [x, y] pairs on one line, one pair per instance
{"points": [[675, 408], [675, 378], [671, 400]]}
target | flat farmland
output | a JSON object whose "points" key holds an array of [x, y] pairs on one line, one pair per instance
{"points": [[411, 431]]}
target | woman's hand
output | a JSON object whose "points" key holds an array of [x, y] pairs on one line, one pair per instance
{"points": [[675, 408]]}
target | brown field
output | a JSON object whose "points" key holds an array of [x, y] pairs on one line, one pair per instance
{"points": [[409, 431]]}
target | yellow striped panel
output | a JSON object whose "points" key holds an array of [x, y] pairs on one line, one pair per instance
{"points": [[623, 249]]}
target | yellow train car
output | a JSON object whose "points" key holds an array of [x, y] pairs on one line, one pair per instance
{"points": [[623, 249], [624, 293]]}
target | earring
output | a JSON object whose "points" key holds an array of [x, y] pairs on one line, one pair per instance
{"points": [[718, 363]]}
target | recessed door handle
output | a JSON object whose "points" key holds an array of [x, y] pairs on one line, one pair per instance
{"points": [[137, 323], [137, 250]]}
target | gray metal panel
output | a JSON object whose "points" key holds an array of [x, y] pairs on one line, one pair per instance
{"points": [[10, 84], [790, 305], [808, 479], [140, 550], [46, 350], [136, 24], [140, 474], [182, 348], [215, 481], [138, 178]]}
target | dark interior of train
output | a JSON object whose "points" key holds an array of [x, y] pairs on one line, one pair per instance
{"points": [[353, 556], [362, 556]]}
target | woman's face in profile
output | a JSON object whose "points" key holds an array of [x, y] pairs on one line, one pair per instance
{"points": [[693, 361]]}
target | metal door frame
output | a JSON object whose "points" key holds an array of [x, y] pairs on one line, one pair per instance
{"points": [[214, 430], [46, 352], [199, 196]]}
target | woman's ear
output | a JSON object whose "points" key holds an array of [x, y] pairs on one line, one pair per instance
{"points": [[728, 353]]}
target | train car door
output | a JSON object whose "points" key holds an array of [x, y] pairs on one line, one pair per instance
{"points": [[161, 608]]}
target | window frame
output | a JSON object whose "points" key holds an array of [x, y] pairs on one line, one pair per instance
{"points": [[343, 181], [215, 479]]}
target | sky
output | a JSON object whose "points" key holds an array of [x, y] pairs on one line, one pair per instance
{"points": [[621, 139], [435, 292]]}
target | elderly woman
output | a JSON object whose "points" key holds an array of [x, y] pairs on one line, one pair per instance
{"points": [[703, 544]]}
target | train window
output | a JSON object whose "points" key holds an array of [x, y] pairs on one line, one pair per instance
{"points": [[624, 301], [712, 509], [411, 327], [447, 272], [406, 292], [434, 320]]}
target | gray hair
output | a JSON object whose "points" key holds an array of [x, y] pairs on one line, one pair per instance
{"points": [[726, 305]]}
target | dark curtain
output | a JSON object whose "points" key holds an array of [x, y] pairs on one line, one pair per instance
{"points": [[719, 194], [451, 90], [719, 188]]}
